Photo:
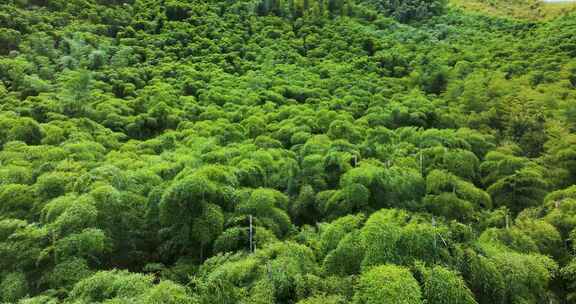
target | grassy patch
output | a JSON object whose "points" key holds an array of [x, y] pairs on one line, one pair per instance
{"points": [[518, 9]]}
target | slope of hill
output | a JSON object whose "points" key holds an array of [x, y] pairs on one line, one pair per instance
{"points": [[267, 151], [521, 9]]}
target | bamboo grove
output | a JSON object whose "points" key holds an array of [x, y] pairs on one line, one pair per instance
{"points": [[275, 151]]}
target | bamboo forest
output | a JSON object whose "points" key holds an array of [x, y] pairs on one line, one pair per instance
{"points": [[287, 151]]}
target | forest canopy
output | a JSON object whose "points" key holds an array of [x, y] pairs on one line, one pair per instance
{"points": [[286, 151]]}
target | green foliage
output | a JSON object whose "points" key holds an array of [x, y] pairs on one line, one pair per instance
{"points": [[561, 210], [54, 184], [387, 284], [166, 292], [121, 286], [524, 189], [76, 91], [322, 299], [90, 243], [526, 276], [346, 258], [568, 274], [452, 197], [371, 187], [409, 10], [22, 247], [66, 216], [17, 201], [334, 232], [390, 236], [138, 138], [441, 285], [26, 130], [543, 234], [332, 288], [187, 209], [269, 209], [238, 238], [9, 39], [68, 273], [13, 286], [484, 278]]}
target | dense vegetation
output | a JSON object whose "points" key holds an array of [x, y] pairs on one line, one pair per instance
{"points": [[387, 152], [522, 9]]}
